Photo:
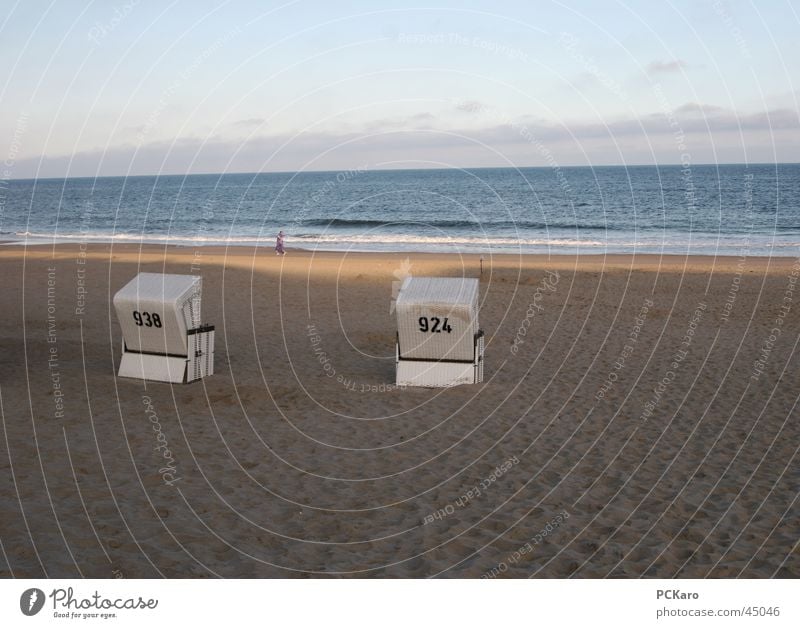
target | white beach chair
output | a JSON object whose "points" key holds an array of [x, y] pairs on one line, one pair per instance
{"points": [[163, 339], [439, 343]]}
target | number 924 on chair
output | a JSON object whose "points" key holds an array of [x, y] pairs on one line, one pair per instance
{"points": [[163, 338], [439, 342]]}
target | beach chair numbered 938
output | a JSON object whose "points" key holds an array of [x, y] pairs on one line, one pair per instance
{"points": [[163, 338]]}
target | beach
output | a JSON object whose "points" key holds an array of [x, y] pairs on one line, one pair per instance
{"points": [[638, 417]]}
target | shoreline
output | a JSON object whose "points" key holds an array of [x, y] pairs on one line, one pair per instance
{"points": [[554, 246], [218, 254]]}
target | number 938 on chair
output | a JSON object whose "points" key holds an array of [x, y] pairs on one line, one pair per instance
{"points": [[439, 342], [163, 337]]}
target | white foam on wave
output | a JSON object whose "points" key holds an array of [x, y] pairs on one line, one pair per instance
{"points": [[656, 242], [317, 238], [436, 240], [141, 237]]}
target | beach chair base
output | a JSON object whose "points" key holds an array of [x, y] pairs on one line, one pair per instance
{"points": [[440, 374], [176, 369]]}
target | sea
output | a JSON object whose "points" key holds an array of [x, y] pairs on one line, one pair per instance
{"points": [[698, 209]]}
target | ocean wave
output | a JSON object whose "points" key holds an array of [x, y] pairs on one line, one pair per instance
{"points": [[366, 222], [306, 237], [448, 240], [448, 224], [142, 237], [627, 241]]}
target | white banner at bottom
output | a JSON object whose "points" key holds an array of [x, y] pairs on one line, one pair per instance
{"points": [[400, 603]]}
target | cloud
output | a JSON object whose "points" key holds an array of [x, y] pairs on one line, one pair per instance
{"points": [[470, 106], [421, 120], [719, 135], [249, 122], [774, 120], [423, 117], [691, 108], [666, 67]]}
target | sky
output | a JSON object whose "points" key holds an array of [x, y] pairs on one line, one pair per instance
{"points": [[133, 87]]}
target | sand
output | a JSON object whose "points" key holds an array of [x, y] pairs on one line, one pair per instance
{"points": [[639, 427]]}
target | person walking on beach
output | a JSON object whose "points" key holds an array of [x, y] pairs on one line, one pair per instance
{"points": [[279, 244]]}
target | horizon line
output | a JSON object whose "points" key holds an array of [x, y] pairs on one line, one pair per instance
{"points": [[390, 169]]}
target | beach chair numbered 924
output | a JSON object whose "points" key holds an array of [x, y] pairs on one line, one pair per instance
{"points": [[439, 343]]}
